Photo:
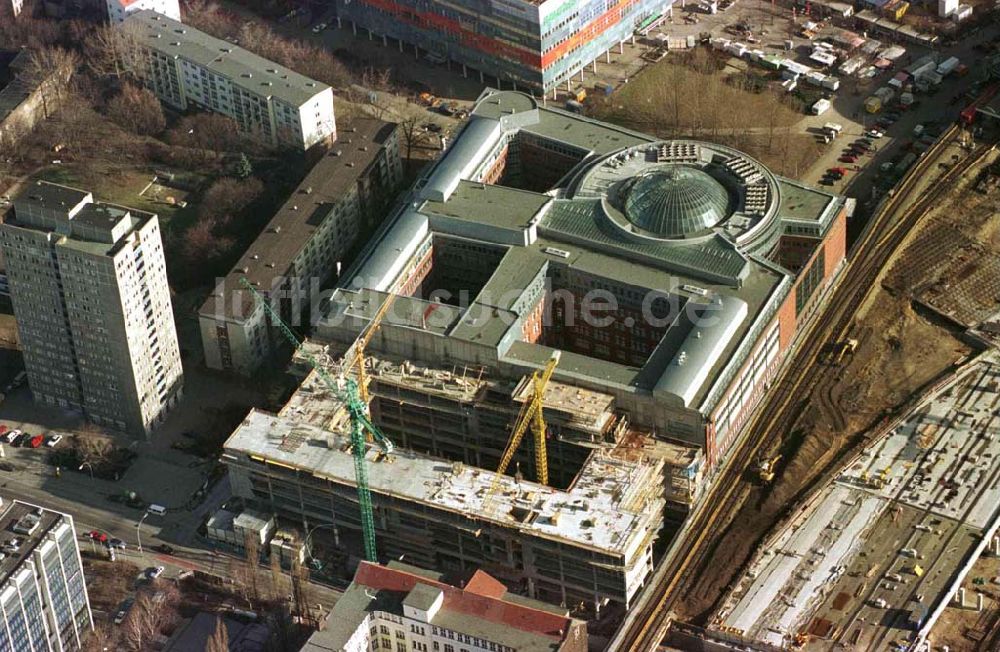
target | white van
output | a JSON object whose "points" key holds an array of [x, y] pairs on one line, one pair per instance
{"points": [[159, 510]]}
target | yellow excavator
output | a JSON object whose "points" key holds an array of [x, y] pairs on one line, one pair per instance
{"points": [[765, 469], [529, 416]]}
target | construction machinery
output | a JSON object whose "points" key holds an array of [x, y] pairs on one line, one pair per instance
{"points": [[838, 350], [530, 415], [347, 391], [765, 469]]}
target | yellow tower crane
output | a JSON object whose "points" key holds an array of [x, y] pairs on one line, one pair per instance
{"points": [[530, 415]]}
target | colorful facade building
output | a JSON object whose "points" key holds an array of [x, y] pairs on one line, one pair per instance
{"points": [[536, 45]]}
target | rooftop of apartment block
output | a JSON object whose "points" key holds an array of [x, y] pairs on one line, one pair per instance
{"points": [[270, 256], [250, 71]]}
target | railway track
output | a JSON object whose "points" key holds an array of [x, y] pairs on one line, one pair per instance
{"points": [[646, 628]]}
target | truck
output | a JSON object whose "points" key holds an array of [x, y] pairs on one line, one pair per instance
{"points": [[833, 128], [873, 104], [948, 66]]}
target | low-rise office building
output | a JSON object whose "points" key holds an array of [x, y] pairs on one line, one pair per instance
{"points": [[345, 194], [187, 68], [399, 607]]}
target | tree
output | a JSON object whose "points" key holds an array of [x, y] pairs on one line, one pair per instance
{"points": [[50, 69], [408, 127], [137, 110], [227, 198], [208, 131], [219, 641], [243, 167], [115, 51]]}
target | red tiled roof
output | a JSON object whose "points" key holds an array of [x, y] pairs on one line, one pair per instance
{"points": [[476, 601], [486, 585]]}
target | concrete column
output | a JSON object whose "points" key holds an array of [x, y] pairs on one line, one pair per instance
{"points": [[465, 71], [633, 39], [370, 35], [416, 51], [385, 41], [400, 46], [569, 86], [979, 601], [594, 64], [340, 23], [581, 74], [555, 94], [607, 56], [621, 47], [513, 84], [961, 597], [354, 28], [482, 79]]}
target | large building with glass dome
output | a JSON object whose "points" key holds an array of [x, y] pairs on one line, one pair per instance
{"points": [[672, 277], [534, 214]]}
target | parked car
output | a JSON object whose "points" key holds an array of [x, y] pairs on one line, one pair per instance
{"points": [[827, 181], [847, 158], [838, 170], [97, 536], [319, 28], [53, 440], [153, 573], [11, 435], [36, 441], [123, 611], [165, 549], [19, 439]]}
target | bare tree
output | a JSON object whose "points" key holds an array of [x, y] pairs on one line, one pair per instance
{"points": [[219, 641], [411, 134], [115, 51], [277, 578], [51, 69], [137, 110]]}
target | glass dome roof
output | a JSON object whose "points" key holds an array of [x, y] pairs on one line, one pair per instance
{"points": [[676, 202]]}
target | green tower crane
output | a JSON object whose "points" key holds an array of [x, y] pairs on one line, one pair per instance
{"points": [[348, 392]]}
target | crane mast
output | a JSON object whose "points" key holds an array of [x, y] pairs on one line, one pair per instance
{"points": [[529, 416], [347, 390]]}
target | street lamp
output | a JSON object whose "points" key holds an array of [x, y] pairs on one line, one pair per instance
{"points": [[138, 538], [89, 466]]}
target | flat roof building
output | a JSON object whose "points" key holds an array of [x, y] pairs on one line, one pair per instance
{"points": [[399, 606], [672, 277], [43, 595], [188, 68], [88, 281], [346, 194], [119, 10]]}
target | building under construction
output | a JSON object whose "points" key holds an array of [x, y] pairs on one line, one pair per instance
{"points": [[705, 264]]}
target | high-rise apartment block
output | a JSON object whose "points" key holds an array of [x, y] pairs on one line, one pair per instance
{"points": [[535, 44], [89, 286], [119, 10], [43, 596], [187, 68]]}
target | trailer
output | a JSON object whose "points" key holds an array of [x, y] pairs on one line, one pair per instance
{"points": [[820, 107], [948, 66]]}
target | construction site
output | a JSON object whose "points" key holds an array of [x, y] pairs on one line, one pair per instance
{"points": [[876, 556], [458, 405]]}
